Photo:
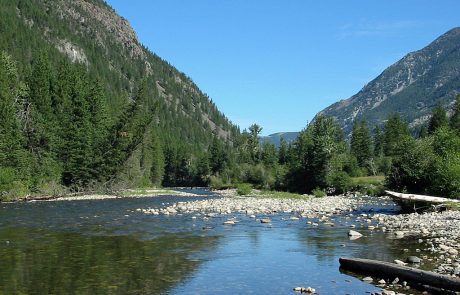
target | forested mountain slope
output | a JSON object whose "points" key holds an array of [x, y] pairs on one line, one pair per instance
{"points": [[138, 96], [412, 87]]}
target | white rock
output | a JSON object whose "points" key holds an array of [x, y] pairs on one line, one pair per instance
{"points": [[353, 233]]}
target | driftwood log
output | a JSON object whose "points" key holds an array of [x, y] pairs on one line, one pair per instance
{"points": [[390, 270], [421, 198]]}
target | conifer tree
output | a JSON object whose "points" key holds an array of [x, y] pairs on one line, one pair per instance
{"points": [[99, 122], [157, 168], [283, 152], [253, 143], [269, 155], [395, 132], [218, 156], [438, 119], [361, 144], [11, 138], [378, 142], [455, 119], [77, 135]]}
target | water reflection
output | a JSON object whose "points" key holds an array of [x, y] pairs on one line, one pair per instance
{"points": [[107, 247], [38, 261]]}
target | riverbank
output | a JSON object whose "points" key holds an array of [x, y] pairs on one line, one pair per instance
{"points": [[129, 193], [438, 234]]}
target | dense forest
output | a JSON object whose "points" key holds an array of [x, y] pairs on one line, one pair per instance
{"points": [[120, 117], [57, 135]]}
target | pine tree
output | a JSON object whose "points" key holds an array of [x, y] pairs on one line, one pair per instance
{"points": [[99, 121], [253, 143], [11, 138], [395, 132], [378, 142], [361, 143], [423, 132], [41, 125], [283, 152], [77, 135], [157, 167], [269, 155], [438, 119], [455, 119], [14, 164], [218, 156]]}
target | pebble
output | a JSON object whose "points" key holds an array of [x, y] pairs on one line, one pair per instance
{"points": [[438, 232], [413, 259], [399, 234], [353, 233], [265, 220], [231, 203]]}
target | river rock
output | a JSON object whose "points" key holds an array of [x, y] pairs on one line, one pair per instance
{"points": [[399, 234], [413, 259], [265, 220], [229, 222], [399, 262], [353, 233], [388, 292], [367, 279]]}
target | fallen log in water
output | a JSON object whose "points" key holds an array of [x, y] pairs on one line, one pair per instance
{"points": [[409, 274]]}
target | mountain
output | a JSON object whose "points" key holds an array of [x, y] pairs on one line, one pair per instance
{"points": [[91, 33], [65, 55], [275, 138], [413, 86]]}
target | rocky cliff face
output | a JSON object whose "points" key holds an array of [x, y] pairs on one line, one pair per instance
{"points": [[412, 86]]}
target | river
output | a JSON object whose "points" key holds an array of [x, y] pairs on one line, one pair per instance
{"points": [[107, 247]]}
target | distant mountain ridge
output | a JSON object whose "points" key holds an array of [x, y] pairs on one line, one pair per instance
{"points": [[275, 138], [413, 86]]}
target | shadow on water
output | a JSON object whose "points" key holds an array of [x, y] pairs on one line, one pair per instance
{"points": [[39, 261]]}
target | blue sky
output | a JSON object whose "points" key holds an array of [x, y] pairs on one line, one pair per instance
{"points": [[278, 63]]}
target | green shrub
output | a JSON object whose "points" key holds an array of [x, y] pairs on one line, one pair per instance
{"points": [[215, 182], [244, 189], [51, 188], [340, 181], [10, 186], [318, 193]]}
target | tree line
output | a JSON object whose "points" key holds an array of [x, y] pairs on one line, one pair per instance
{"points": [[57, 134], [322, 159]]}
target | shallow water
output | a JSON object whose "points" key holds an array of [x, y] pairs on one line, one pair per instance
{"points": [[106, 247]]}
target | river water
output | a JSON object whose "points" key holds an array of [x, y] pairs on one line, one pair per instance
{"points": [[106, 247]]}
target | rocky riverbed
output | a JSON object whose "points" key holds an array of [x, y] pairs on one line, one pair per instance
{"points": [[129, 193], [309, 207], [438, 234]]}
